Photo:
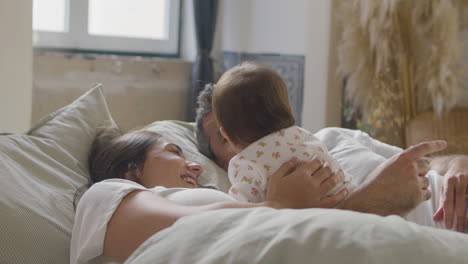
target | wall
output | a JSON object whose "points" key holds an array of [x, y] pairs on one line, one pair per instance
{"points": [[322, 97], [265, 26], [299, 27], [15, 65], [138, 90]]}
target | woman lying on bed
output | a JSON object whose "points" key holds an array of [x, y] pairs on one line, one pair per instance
{"points": [[144, 184]]}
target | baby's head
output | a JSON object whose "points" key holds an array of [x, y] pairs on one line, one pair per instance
{"points": [[251, 101]]}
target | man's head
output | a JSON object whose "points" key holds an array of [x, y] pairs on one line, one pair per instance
{"points": [[210, 142]]}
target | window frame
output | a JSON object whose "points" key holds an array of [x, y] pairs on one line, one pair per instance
{"points": [[76, 37]]}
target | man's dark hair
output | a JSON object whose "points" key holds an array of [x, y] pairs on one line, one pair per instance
{"points": [[204, 107]]}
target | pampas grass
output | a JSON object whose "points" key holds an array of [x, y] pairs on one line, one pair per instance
{"points": [[437, 73], [400, 57]]}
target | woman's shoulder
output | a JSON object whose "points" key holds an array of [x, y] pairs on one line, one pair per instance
{"points": [[95, 208], [116, 184], [108, 190]]}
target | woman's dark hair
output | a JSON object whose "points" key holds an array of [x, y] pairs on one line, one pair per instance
{"points": [[113, 153]]}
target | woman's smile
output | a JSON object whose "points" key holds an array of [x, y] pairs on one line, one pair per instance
{"points": [[189, 179], [165, 165]]}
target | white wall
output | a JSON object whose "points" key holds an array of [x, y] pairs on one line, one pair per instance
{"points": [[264, 26], [299, 27], [317, 102], [15, 65]]}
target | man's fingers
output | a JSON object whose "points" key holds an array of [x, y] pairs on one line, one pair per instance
{"points": [[448, 203], [423, 165], [461, 215], [423, 149], [439, 215], [427, 194], [424, 182], [466, 222], [466, 219], [333, 200], [460, 202], [426, 161]]}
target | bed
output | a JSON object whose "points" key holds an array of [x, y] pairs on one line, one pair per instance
{"points": [[42, 169]]}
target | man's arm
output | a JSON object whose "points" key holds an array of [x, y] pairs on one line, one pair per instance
{"points": [[395, 187], [454, 192]]}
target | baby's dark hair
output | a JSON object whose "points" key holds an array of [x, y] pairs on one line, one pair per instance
{"points": [[114, 153], [251, 101]]}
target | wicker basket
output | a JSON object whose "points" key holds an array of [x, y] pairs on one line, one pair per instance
{"points": [[452, 127]]}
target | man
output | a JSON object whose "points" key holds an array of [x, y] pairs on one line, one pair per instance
{"points": [[210, 141], [452, 196]]}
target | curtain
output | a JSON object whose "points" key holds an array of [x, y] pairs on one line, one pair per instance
{"points": [[205, 12]]}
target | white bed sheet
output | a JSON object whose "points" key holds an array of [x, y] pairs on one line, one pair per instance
{"points": [[264, 235]]}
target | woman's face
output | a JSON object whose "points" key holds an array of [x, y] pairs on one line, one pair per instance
{"points": [[165, 165]]}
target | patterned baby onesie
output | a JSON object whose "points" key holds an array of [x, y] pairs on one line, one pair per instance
{"points": [[249, 170]]}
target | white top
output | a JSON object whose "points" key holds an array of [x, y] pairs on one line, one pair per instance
{"points": [[249, 170], [98, 204], [359, 154]]}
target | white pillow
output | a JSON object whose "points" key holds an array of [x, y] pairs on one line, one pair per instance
{"points": [[40, 173], [38, 183], [73, 127]]}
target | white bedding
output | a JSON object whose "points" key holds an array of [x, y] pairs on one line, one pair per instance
{"points": [[264, 235], [35, 226]]}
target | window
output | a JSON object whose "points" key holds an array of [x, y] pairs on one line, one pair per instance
{"points": [[126, 26]]}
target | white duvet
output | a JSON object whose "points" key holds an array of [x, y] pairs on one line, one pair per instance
{"points": [[264, 235]]}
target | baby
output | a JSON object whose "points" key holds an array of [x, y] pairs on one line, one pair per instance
{"points": [[251, 105]]}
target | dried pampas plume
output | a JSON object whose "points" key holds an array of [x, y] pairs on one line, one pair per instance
{"points": [[399, 57], [437, 74]]}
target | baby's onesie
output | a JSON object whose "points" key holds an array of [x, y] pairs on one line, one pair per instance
{"points": [[249, 170]]}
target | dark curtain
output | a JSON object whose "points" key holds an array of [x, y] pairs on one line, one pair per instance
{"points": [[205, 12]]}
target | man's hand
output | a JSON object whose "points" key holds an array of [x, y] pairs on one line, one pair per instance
{"points": [[454, 193], [398, 185]]}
